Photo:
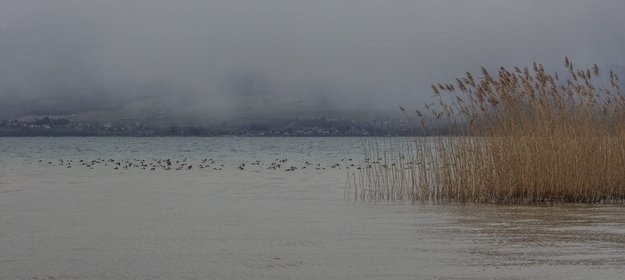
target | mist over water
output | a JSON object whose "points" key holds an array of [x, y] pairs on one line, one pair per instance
{"points": [[261, 207], [230, 59]]}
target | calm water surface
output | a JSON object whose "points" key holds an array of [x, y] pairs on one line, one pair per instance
{"points": [[97, 222]]}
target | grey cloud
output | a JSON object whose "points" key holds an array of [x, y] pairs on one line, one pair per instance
{"points": [[230, 58]]}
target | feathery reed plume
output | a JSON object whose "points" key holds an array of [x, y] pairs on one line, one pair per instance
{"points": [[520, 137]]}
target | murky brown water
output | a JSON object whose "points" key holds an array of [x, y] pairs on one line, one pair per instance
{"points": [[80, 223]]}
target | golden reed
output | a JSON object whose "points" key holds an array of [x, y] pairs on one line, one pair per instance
{"points": [[521, 136]]}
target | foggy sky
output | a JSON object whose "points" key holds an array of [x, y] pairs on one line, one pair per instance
{"points": [[230, 58]]}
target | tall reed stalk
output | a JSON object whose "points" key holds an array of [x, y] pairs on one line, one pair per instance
{"points": [[521, 136]]}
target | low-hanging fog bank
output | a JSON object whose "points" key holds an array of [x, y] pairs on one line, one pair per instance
{"points": [[227, 59]]}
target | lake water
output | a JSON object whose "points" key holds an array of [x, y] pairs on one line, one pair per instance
{"points": [[238, 214]]}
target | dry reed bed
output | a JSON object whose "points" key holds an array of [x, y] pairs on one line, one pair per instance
{"points": [[522, 136]]}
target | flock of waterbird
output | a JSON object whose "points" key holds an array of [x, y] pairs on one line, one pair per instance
{"points": [[203, 164]]}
